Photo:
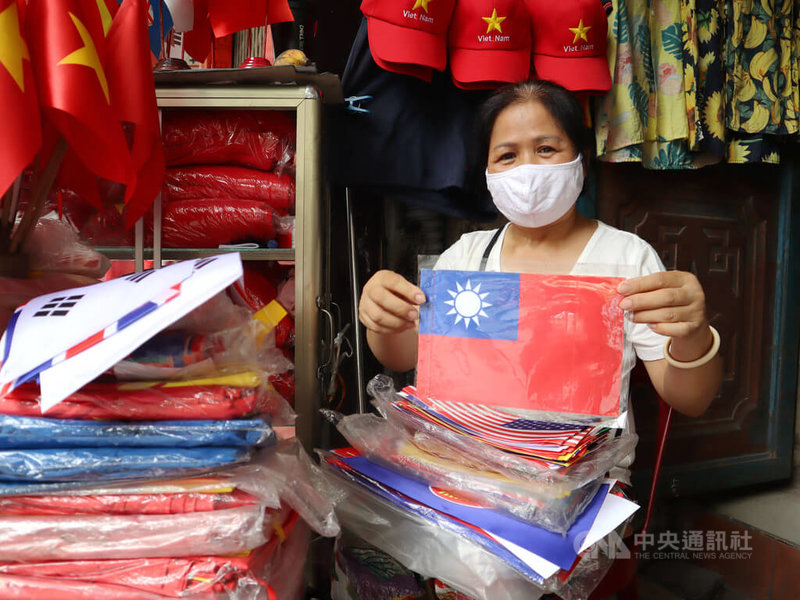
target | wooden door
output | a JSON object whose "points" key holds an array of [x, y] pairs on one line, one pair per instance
{"points": [[736, 228]]}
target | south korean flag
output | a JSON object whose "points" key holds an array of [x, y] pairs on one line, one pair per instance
{"points": [[67, 338]]}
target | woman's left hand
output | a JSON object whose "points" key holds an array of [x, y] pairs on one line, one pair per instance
{"points": [[672, 303]]}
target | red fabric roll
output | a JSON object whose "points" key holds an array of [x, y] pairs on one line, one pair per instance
{"points": [[262, 139], [209, 223], [230, 183], [124, 504], [197, 577], [256, 291], [130, 402]]}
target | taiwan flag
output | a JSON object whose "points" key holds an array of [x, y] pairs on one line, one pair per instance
{"points": [[528, 341]]}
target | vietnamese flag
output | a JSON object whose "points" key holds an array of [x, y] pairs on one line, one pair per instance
{"points": [[67, 52], [197, 41], [230, 16], [528, 341], [20, 133], [134, 98]]}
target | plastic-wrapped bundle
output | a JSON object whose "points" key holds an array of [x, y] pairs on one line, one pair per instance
{"points": [[82, 537], [262, 139], [124, 504], [593, 465], [224, 182], [545, 503], [179, 355], [84, 464], [54, 246], [279, 475], [32, 432], [227, 397], [425, 542], [285, 572], [228, 577], [209, 223], [256, 289]]}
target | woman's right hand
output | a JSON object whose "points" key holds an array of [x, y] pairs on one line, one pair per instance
{"points": [[389, 303]]}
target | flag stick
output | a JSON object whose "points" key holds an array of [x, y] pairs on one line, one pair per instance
{"points": [[161, 26], [42, 182], [4, 229]]}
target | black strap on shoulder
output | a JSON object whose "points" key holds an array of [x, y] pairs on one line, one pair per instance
{"points": [[489, 247]]}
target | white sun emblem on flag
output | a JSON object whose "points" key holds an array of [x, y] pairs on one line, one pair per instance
{"points": [[467, 303]]}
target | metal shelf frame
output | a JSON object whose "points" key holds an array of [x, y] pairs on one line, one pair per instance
{"points": [[305, 101]]}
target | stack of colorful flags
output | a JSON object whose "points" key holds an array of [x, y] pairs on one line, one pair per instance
{"points": [[144, 488], [505, 442]]}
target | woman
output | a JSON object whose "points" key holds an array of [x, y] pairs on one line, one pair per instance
{"points": [[536, 146]]}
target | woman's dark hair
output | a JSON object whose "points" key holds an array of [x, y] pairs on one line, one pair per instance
{"points": [[558, 101]]}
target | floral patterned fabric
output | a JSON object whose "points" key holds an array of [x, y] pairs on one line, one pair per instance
{"points": [[700, 81]]}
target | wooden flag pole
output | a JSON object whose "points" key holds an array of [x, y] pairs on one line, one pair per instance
{"points": [[42, 182]]}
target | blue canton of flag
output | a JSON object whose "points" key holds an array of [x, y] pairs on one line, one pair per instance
{"points": [[154, 25], [470, 304], [530, 425]]}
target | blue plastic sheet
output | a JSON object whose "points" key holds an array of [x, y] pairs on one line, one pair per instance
{"points": [[32, 432], [82, 464]]}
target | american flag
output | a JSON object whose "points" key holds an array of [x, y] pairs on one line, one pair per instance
{"points": [[561, 442]]}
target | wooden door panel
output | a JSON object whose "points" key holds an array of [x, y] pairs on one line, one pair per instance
{"points": [[728, 225]]}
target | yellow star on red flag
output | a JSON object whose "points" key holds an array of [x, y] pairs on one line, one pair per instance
{"points": [[86, 55], [12, 47], [580, 32], [105, 16], [494, 21]]}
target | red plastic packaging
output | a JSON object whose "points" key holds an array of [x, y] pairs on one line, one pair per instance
{"points": [[208, 223], [262, 139], [119, 401], [225, 182], [197, 577], [124, 504]]}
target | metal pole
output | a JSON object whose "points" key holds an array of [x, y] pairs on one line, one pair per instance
{"points": [[351, 235]]}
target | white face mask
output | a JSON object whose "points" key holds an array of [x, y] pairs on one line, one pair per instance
{"points": [[536, 195]]}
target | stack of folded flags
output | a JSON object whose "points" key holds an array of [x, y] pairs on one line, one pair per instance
{"points": [[136, 487], [497, 502], [230, 180]]}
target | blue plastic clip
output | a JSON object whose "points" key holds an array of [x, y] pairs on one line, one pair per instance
{"points": [[354, 104]]}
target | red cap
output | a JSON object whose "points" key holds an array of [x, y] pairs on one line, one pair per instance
{"points": [[490, 43], [569, 43], [424, 73], [410, 32]]}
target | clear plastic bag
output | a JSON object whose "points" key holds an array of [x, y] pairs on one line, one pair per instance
{"points": [[224, 397], [548, 346], [261, 139], [92, 464], [32, 432], [186, 355], [543, 503], [78, 537], [224, 182], [433, 546], [592, 465], [229, 577], [282, 474], [426, 544], [54, 245]]}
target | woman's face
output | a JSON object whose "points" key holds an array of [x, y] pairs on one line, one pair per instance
{"points": [[526, 133]]}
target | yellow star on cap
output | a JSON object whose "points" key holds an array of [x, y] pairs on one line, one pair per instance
{"points": [[580, 32], [86, 55], [421, 4], [494, 21], [12, 47]]}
